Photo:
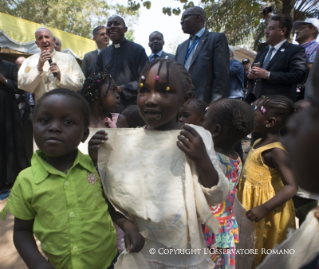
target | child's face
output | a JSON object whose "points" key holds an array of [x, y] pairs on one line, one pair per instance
{"points": [[59, 125], [157, 106], [189, 114], [111, 98], [302, 144]]}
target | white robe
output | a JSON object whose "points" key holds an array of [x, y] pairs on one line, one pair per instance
{"points": [[30, 80]]}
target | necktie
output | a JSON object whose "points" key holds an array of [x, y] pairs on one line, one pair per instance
{"points": [[155, 56], [189, 59], [267, 60]]}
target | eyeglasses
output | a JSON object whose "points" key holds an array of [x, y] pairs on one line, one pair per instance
{"points": [[303, 27], [187, 15]]}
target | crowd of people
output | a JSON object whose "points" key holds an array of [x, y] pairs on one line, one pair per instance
{"points": [[161, 186]]}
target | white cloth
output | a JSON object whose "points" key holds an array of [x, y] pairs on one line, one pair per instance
{"points": [[306, 194], [30, 80], [302, 246], [247, 237], [150, 180]]}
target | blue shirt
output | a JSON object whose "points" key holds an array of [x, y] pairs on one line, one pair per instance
{"points": [[158, 53], [198, 34]]}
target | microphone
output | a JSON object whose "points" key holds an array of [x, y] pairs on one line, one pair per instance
{"points": [[50, 61]]}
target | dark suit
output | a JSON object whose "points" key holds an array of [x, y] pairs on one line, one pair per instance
{"points": [[287, 68], [209, 65], [165, 56], [13, 156], [89, 62]]}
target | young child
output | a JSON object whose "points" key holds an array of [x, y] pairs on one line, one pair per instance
{"points": [[100, 90], [302, 145], [169, 204], [229, 121], [59, 198], [193, 112], [266, 185]]}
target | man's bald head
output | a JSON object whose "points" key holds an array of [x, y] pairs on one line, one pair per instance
{"points": [[200, 11], [19, 62]]}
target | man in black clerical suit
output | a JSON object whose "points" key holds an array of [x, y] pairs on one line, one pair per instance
{"points": [[205, 55], [102, 41], [282, 65], [156, 43], [13, 155], [124, 59]]}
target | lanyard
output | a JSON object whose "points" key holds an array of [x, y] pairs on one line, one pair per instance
{"points": [[190, 49]]}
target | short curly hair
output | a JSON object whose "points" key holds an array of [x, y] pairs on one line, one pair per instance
{"points": [[62, 91], [235, 114]]}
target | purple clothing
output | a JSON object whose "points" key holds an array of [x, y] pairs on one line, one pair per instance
{"points": [[311, 48]]}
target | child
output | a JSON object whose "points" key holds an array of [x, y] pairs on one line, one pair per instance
{"points": [[229, 121], [165, 200], [100, 90], [266, 185], [59, 198], [302, 145], [193, 112]]}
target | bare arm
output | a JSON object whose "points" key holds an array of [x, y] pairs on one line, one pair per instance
{"points": [[193, 146], [276, 159], [134, 241], [25, 244]]}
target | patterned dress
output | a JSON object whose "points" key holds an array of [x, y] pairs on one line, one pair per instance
{"points": [[228, 232]]}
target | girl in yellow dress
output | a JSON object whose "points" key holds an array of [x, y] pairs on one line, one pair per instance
{"points": [[267, 185]]}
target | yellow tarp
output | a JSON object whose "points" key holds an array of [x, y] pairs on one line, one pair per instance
{"points": [[21, 30]]}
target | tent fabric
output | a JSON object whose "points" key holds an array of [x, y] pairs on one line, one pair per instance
{"points": [[18, 34]]}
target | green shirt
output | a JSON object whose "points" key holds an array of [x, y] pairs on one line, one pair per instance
{"points": [[71, 217]]}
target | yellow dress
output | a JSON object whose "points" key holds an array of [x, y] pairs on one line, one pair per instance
{"points": [[258, 184]]}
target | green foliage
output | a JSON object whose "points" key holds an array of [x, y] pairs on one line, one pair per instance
{"points": [[74, 16]]}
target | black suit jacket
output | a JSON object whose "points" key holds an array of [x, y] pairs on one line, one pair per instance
{"points": [[209, 66], [89, 63], [287, 68], [165, 56]]}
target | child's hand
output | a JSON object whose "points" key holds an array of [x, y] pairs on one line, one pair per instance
{"points": [[257, 213], [134, 241], [191, 143], [99, 138]]}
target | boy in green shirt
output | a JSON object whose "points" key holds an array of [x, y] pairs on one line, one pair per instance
{"points": [[60, 198]]}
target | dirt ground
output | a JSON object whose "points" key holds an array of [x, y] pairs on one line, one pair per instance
{"points": [[9, 257]]}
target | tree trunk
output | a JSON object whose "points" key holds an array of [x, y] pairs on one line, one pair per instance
{"points": [[288, 7]]}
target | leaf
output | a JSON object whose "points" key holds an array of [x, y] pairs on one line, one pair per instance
{"points": [[176, 11], [147, 4]]}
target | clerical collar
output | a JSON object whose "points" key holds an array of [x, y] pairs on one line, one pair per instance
{"points": [[122, 43]]}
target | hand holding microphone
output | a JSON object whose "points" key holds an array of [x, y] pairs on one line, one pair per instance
{"points": [[54, 73]]}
